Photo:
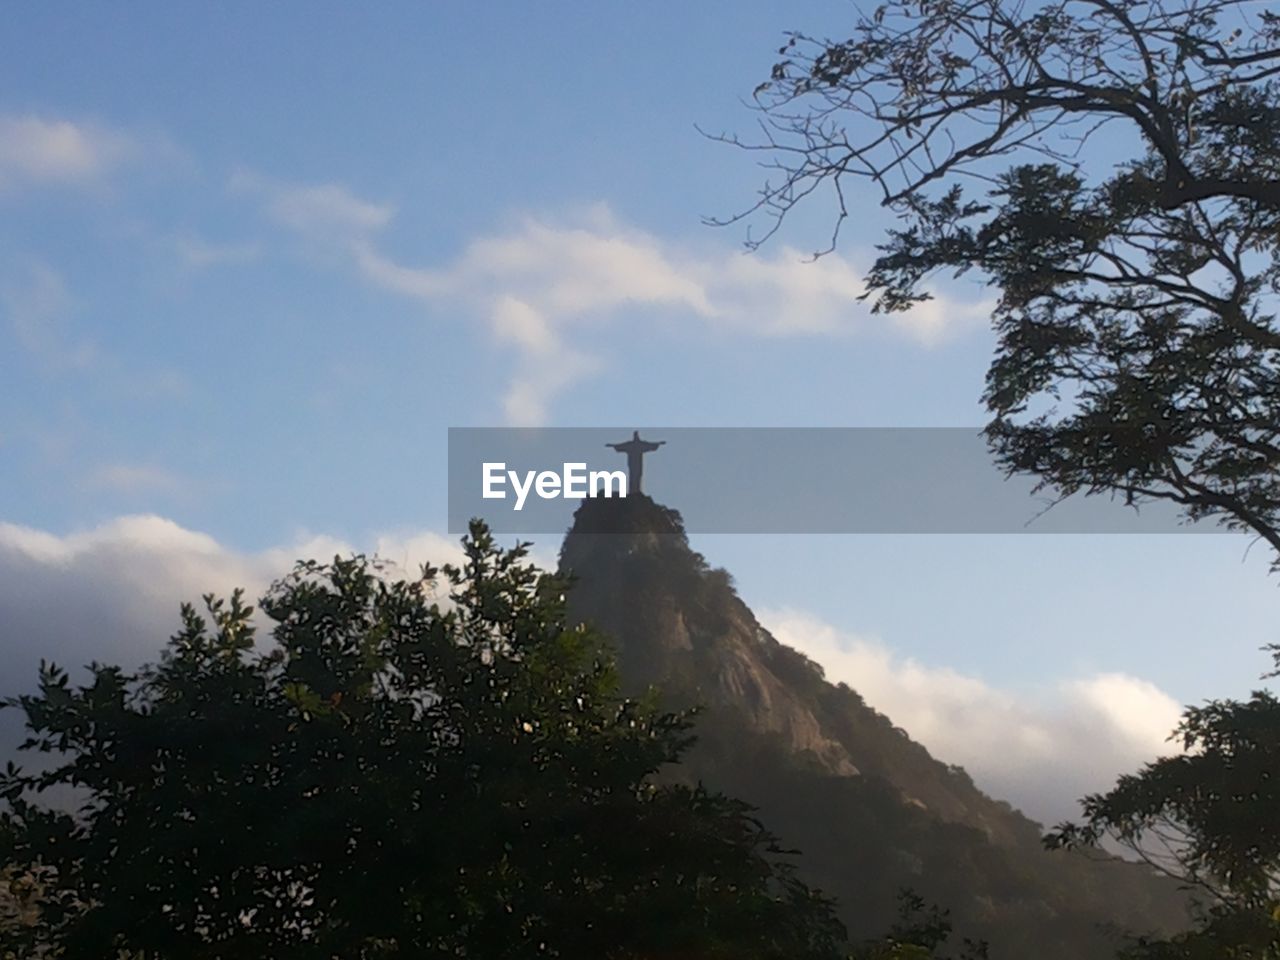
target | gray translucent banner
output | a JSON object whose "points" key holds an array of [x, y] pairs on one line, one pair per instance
{"points": [[778, 480]]}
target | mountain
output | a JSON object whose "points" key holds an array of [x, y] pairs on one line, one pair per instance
{"points": [[869, 809]]}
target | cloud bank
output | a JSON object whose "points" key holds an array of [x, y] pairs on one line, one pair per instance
{"points": [[1040, 750], [112, 593]]}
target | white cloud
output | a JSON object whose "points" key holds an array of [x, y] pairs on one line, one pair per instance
{"points": [[112, 593], [36, 302], [35, 150], [325, 207], [1040, 751], [937, 320], [526, 401], [135, 478], [327, 213], [197, 252], [540, 285], [108, 594]]}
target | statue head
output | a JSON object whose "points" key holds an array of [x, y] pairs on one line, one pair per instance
{"points": [[635, 434]]}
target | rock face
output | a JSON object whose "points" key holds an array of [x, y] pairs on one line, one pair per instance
{"points": [[870, 810]]}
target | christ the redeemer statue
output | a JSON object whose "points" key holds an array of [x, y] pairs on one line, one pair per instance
{"points": [[635, 449]]}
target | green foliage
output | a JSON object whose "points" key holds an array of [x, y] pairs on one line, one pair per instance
{"points": [[394, 775]]}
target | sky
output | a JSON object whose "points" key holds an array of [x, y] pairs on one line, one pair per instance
{"points": [[255, 260]]}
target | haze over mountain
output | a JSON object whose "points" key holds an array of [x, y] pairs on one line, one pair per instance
{"points": [[870, 810]]}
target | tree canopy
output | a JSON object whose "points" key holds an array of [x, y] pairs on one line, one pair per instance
{"points": [[394, 773], [1112, 169]]}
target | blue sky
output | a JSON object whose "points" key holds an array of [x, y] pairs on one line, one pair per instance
{"points": [[256, 259]]}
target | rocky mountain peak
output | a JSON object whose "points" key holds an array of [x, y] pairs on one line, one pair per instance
{"points": [[873, 811]]}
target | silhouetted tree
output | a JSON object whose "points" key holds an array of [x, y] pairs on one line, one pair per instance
{"points": [[1112, 168], [1208, 817], [394, 775], [921, 932]]}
